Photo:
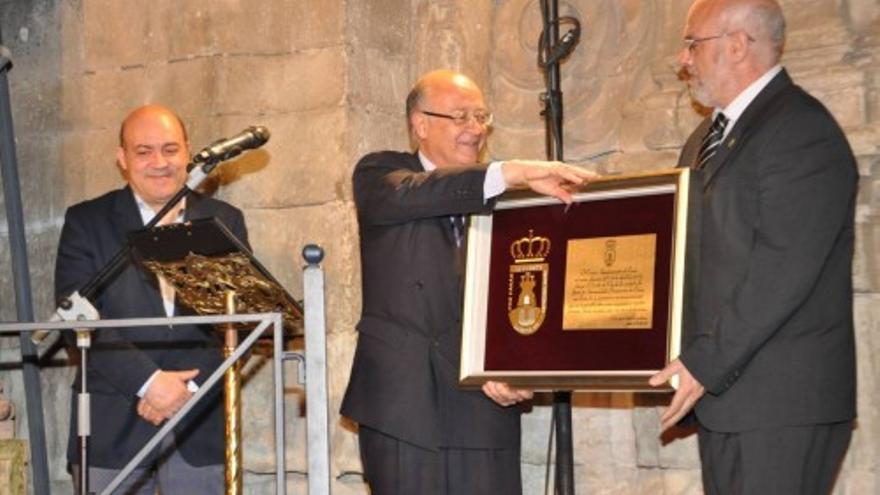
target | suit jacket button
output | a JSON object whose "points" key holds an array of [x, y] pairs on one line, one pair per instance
{"points": [[419, 285]]}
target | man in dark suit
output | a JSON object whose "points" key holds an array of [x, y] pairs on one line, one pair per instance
{"points": [[768, 361], [419, 432], [139, 378]]}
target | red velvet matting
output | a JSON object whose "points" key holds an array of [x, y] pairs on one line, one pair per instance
{"points": [[551, 348]]}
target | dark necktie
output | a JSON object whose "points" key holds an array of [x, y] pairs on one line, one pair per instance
{"points": [[712, 140]]}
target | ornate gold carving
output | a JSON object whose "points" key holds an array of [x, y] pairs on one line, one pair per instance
{"points": [[201, 283]]}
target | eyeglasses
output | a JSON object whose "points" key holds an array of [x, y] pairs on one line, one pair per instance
{"points": [[461, 118], [691, 43]]}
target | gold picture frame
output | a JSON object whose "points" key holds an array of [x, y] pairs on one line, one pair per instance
{"points": [[587, 296]]}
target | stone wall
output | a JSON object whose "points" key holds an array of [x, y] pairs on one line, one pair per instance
{"points": [[328, 78]]}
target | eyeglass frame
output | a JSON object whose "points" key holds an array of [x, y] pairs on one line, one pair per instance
{"points": [[463, 120], [691, 43]]}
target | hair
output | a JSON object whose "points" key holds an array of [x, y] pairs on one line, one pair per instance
{"points": [[165, 109], [762, 19], [414, 100]]}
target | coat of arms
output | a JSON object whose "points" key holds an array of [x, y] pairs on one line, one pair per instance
{"points": [[527, 283]]}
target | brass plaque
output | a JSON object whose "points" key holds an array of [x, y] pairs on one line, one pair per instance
{"points": [[609, 283]]}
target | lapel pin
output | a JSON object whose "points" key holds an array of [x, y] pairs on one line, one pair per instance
{"points": [[730, 143]]}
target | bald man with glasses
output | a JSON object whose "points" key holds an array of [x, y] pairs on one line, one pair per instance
{"points": [[418, 431]]}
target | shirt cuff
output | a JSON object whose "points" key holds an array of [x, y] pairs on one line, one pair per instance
{"points": [[190, 385], [143, 390], [494, 183]]}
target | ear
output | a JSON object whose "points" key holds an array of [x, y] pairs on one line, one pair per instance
{"points": [[120, 159], [419, 125], [738, 46]]}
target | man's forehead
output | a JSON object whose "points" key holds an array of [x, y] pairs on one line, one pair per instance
{"points": [[148, 126], [455, 93]]}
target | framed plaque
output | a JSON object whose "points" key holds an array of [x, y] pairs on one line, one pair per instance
{"points": [[580, 297]]}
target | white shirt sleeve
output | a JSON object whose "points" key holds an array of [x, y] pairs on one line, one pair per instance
{"points": [[494, 183]]}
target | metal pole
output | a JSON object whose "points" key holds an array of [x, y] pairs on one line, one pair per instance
{"points": [[278, 361], [316, 372], [22, 281], [84, 408], [553, 119], [232, 406]]}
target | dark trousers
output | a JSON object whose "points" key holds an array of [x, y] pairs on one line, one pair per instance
{"points": [[795, 460], [394, 467]]}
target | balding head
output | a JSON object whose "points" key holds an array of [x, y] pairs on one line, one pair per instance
{"points": [[762, 20], [151, 109], [435, 99]]}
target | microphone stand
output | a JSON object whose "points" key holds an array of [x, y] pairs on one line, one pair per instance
{"points": [[549, 59], [79, 306]]}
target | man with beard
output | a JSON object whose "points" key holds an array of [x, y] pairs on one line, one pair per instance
{"points": [[768, 360]]}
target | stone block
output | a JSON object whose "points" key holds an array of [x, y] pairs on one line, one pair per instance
{"points": [[36, 104], [318, 23], [90, 164], [866, 266], [176, 30], [278, 236], [29, 33], [39, 177], [864, 451], [841, 90], [188, 86], [396, 35], [650, 123], [116, 34], [372, 129], [280, 26], [379, 78], [343, 437], [258, 413], [304, 163], [100, 100], [293, 82]]}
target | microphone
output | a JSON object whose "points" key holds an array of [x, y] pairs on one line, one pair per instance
{"points": [[224, 149], [565, 46]]}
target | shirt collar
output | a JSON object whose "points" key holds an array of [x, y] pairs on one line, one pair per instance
{"points": [[426, 163], [738, 106], [147, 212]]}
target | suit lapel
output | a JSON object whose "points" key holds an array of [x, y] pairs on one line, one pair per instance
{"points": [[744, 126]]}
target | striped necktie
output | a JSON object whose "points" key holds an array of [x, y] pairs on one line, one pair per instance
{"points": [[712, 140]]}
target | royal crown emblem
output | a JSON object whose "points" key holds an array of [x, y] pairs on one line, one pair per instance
{"points": [[527, 283]]}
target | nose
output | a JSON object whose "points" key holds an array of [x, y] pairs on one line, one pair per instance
{"points": [[684, 57]]}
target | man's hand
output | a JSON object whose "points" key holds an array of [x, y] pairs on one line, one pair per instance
{"points": [[504, 394], [688, 393], [168, 392], [550, 178], [148, 413]]}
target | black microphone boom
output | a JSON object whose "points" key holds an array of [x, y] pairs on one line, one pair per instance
{"points": [[224, 149]]}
